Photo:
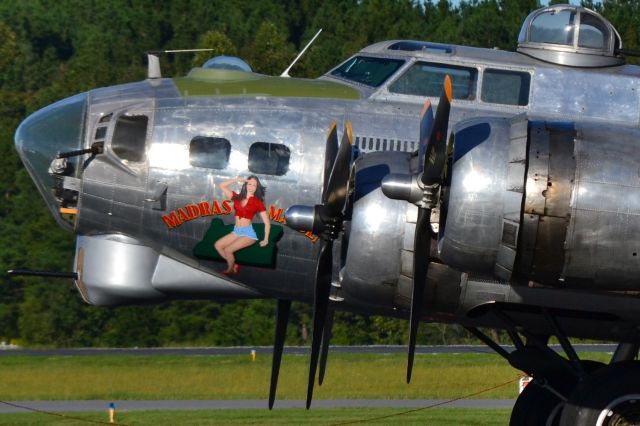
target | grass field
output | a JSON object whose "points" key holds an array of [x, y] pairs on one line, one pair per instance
{"points": [[349, 376], [237, 377], [378, 416]]}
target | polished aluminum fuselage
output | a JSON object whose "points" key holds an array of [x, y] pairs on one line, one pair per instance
{"points": [[127, 252]]}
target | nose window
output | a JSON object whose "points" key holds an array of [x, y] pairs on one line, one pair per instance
{"points": [[129, 137]]}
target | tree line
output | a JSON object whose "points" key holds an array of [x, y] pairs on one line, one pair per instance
{"points": [[50, 50]]}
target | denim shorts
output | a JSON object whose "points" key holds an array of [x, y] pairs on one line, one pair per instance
{"points": [[245, 231]]}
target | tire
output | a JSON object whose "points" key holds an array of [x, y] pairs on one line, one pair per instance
{"points": [[610, 396], [536, 406]]}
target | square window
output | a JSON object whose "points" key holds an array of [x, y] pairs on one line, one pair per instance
{"points": [[426, 79], [129, 137], [269, 158], [506, 87], [209, 152], [101, 132]]}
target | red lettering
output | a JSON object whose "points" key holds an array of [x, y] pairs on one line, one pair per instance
{"points": [[226, 205], [216, 207], [205, 210], [310, 235], [183, 216], [172, 220], [193, 211], [275, 215]]}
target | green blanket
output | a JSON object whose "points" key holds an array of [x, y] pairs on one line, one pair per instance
{"points": [[252, 255]]}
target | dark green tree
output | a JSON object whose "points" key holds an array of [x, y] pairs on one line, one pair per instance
{"points": [[218, 42]]}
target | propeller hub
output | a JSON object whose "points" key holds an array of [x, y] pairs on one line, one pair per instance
{"points": [[300, 218]]}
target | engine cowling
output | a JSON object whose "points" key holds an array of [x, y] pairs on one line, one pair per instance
{"points": [[482, 197], [551, 203], [375, 234]]}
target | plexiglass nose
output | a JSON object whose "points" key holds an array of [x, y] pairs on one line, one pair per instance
{"points": [[41, 136]]}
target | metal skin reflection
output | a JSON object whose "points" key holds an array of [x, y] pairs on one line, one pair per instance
{"points": [[515, 207]]}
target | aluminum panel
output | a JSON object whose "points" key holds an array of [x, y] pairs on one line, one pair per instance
{"points": [[375, 256], [476, 205], [562, 166], [603, 238], [584, 95], [538, 170], [116, 270]]}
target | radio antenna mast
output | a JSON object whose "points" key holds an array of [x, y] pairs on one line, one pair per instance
{"points": [[286, 72]]}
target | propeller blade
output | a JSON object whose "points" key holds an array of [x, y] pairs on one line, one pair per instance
{"points": [[326, 338], [321, 303], [338, 183], [282, 318], [434, 158], [330, 152], [421, 248], [426, 123]]}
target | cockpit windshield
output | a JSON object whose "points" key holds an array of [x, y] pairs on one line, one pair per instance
{"points": [[366, 70]]}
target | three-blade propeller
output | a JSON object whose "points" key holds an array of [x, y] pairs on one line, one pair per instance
{"points": [[334, 198], [432, 165], [282, 318], [324, 220]]}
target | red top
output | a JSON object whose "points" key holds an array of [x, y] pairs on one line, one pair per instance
{"points": [[249, 210]]}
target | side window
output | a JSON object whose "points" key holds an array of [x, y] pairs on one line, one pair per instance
{"points": [[506, 87], [209, 152], [269, 158], [425, 79], [129, 137]]}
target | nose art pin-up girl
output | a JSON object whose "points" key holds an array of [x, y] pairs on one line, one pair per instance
{"points": [[246, 204]]}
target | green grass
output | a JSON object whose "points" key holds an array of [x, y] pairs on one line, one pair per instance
{"points": [[236, 377], [431, 417], [349, 376]]}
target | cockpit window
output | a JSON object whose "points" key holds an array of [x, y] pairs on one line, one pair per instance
{"points": [[370, 71], [506, 87], [129, 137], [425, 79], [555, 26]]}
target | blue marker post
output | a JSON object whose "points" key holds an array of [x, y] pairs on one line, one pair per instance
{"points": [[112, 412]]}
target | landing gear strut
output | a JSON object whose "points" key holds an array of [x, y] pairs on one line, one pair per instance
{"points": [[568, 391]]}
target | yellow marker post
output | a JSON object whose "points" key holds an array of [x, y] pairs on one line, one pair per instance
{"points": [[253, 354], [112, 412]]}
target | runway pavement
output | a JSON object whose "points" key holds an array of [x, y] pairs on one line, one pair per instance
{"points": [[97, 405], [289, 350]]}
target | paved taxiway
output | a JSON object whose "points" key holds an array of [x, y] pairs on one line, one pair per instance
{"points": [[289, 350], [97, 405]]}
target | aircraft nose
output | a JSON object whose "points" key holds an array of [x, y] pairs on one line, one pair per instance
{"points": [[41, 136]]}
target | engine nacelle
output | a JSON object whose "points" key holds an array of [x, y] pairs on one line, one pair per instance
{"points": [[482, 196], [376, 232], [552, 203]]}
